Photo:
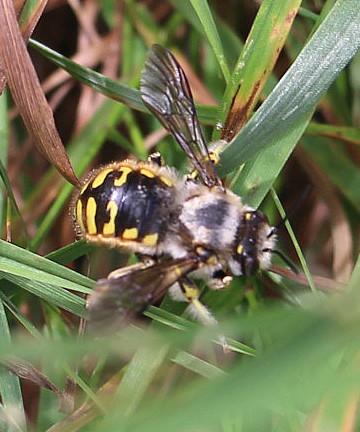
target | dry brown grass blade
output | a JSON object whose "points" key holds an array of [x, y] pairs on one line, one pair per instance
{"points": [[88, 411], [109, 55], [323, 283], [27, 371], [91, 57], [322, 417], [27, 27], [350, 414], [27, 93], [201, 94]]}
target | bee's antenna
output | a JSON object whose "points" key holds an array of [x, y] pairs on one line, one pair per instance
{"points": [[286, 259]]}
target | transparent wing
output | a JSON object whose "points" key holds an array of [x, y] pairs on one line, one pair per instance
{"points": [[166, 92], [116, 300]]}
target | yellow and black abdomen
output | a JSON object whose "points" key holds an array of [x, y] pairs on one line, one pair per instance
{"points": [[125, 204]]}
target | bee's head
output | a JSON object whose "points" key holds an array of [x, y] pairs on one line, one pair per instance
{"points": [[253, 244]]}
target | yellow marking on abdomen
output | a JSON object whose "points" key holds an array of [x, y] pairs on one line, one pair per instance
{"points": [[147, 173], [166, 181], [124, 171], [150, 239], [248, 216], [240, 249], [109, 227], [90, 215], [100, 178], [130, 234], [79, 214]]}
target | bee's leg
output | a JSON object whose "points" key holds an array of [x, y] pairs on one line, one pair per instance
{"points": [[156, 158], [122, 271], [186, 290]]}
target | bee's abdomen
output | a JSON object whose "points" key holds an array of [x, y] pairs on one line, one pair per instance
{"points": [[123, 203]]}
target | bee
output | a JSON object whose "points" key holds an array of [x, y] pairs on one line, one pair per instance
{"points": [[182, 227]]}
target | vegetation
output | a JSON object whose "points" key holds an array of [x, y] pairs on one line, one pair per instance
{"points": [[277, 79]]}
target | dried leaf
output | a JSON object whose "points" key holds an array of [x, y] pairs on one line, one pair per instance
{"points": [[27, 93], [27, 371]]}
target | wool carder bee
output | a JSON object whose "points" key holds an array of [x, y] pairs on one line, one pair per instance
{"points": [[181, 227]]}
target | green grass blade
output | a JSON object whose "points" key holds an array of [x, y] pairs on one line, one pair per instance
{"points": [[15, 268], [204, 14], [290, 105], [28, 325], [180, 323], [70, 252], [197, 365], [342, 133], [255, 64], [254, 181], [24, 263], [139, 374], [6, 181], [308, 14], [303, 365], [281, 120], [108, 87], [10, 385], [294, 241], [50, 293]]}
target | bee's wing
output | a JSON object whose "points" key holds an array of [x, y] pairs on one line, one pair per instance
{"points": [[116, 299], [166, 92]]}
